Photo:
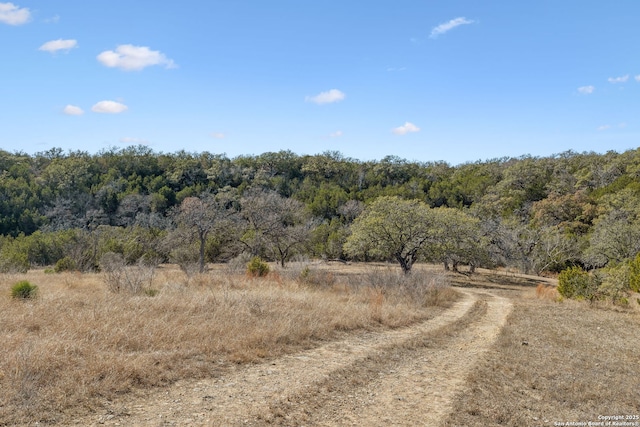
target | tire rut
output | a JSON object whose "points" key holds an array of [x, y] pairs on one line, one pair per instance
{"points": [[417, 383], [407, 376]]}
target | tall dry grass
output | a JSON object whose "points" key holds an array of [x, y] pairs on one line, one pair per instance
{"points": [[544, 291], [79, 344]]}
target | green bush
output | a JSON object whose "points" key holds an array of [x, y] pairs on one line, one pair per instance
{"points": [[615, 283], [576, 283], [64, 264], [12, 261], [257, 267], [24, 290], [634, 274]]}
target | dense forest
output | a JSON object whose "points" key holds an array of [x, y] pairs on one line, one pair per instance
{"points": [[535, 214]]}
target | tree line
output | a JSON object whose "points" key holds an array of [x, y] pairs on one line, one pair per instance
{"points": [[535, 214]]}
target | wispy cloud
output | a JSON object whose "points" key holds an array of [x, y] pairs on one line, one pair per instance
{"points": [[134, 58], [109, 107], [72, 110], [586, 90], [218, 135], [405, 129], [333, 95], [130, 140], [53, 20], [637, 78], [448, 26], [621, 125], [336, 134], [54, 46], [621, 79], [14, 15]]}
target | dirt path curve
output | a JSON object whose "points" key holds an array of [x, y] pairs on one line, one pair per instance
{"points": [[407, 376]]}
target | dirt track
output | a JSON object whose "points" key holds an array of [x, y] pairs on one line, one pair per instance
{"points": [[407, 377]]}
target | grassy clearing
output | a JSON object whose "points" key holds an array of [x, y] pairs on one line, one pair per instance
{"points": [[555, 362], [78, 343]]}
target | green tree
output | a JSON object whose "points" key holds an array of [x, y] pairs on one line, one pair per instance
{"points": [[457, 239], [392, 228], [615, 236]]}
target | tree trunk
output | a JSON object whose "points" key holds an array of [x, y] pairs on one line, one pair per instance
{"points": [[405, 263], [203, 241]]}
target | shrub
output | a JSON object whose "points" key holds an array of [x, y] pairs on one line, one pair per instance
{"points": [[151, 292], [615, 285], [187, 259], [238, 265], [64, 264], [634, 274], [24, 290], [576, 283], [12, 261], [122, 278], [257, 267]]}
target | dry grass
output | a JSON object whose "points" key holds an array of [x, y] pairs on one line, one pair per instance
{"points": [[79, 344], [555, 362], [547, 292]]}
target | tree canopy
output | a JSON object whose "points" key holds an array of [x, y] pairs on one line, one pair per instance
{"points": [[393, 228], [532, 213]]}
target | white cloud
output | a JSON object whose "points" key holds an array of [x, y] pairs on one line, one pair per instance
{"points": [[448, 26], [14, 15], [604, 127], [406, 128], [621, 79], [334, 95], [218, 135], [109, 107], [72, 110], [336, 134], [637, 78], [586, 90], [133, 58], [53, 20], [130, 140], [55, 45]]}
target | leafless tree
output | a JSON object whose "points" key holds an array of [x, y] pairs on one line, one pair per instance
{"points": [[273, 224], [198, 217]]}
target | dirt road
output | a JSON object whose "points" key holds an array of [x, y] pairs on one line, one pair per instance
{"points": [[406, 377]]}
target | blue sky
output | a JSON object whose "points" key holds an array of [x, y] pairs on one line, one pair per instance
{"points": [[423, 80]]}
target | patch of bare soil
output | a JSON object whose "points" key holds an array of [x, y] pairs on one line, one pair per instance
{"points": [[407, 376]]}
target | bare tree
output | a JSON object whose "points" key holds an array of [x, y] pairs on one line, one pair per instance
{"points": [[273, 224], [198, 217]]}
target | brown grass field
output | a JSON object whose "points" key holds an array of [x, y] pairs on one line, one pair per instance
{"points": [[554, 362], [78, 345]]}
